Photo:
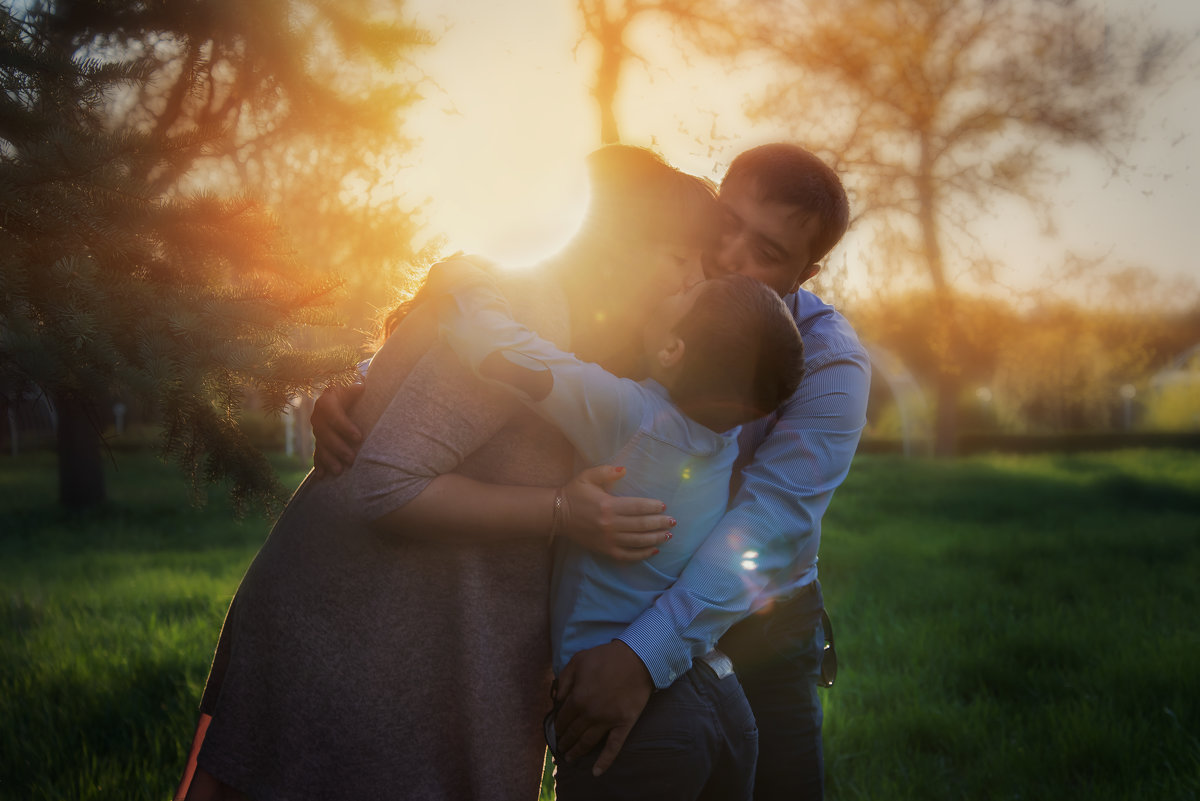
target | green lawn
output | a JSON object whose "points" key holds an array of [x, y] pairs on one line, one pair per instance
{"points": [[1007, 628]]}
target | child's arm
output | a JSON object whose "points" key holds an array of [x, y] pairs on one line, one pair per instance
{"points": [[596, 410]]}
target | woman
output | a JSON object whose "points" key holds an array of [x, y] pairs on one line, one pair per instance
{"points": [[354, 664]]}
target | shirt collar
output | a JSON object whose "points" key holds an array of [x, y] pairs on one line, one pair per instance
{"points": [[655, 387]]}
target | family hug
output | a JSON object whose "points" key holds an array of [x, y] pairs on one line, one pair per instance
{"points": [[576, 506]]}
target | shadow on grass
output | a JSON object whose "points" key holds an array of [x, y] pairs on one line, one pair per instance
{"points": [[109, 729]]}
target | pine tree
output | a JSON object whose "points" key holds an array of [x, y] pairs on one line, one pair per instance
{"points": [[302, 103], [110, 282]]}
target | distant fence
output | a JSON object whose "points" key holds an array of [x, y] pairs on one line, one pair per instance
{"points": [[1051, 443]]}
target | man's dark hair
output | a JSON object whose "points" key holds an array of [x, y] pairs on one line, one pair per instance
{"points": [[743, 356], [785, 173]]}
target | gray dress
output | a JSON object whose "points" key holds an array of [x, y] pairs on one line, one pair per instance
{"points": [[356, 665]]}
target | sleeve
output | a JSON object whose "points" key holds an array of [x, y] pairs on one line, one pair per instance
{"points": [[772, 528], [438, 415], [597, 411]]}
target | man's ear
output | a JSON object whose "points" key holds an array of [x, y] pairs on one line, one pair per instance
{"points": [[671, 354], [808, 272]]}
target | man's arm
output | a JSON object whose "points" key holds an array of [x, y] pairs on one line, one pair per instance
{"points": [[336, 439], [771, 531], [771, 534]]}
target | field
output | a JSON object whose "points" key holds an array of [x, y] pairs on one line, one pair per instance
{"points": [[1006, 628]]}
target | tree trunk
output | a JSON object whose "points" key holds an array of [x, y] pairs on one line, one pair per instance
{"points": [[607, 27], [80, 466], [608, 77], [948, 380], [945, 430]]}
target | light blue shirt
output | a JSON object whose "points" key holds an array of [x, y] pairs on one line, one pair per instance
{"points": [[765, 547], [609, 420]]}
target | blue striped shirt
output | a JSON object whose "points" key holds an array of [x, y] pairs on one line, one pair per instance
{"points": [[667, 455], [765, 547]]}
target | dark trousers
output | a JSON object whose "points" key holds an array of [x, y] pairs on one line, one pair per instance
{"points": [[777, 655], [695, 740]]}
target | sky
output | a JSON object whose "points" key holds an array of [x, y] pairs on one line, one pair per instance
{"points": [[508, 120]]}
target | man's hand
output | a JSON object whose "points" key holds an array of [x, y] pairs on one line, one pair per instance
{"points": [[335, 437], [628, 529], [603, 691]]}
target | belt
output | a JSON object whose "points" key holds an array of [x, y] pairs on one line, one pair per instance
{"points": [[720, 664]]}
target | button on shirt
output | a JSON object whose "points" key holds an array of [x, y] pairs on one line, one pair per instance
{"points": [[765, 547], [609, 420]]}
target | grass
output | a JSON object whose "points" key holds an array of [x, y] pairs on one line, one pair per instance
{"points": [[1016, 628], [1006, 627], [108, 626]]}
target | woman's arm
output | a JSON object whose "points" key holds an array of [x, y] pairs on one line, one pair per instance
{"points": [[625, 528], [437, 415], [454, 508]]}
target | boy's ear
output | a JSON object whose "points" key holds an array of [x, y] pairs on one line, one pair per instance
{"points": [[671, 354]]}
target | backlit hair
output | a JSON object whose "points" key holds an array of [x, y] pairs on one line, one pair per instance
{"points": [[637, 197]]}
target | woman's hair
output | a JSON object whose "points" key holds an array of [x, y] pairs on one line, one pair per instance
{"points": [[743, 355], [402, 309], [638, 197]]}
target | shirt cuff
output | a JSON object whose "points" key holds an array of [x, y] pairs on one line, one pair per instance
{"points": [[664, 653]]}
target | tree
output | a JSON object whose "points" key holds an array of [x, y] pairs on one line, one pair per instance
{"points": [[1053, 368], [108, 281], [1069, 361], [305, 102], [608, 24], [302, 103], [934, 109]]}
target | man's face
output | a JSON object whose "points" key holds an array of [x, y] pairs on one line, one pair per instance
{"points": [[770, 242]]}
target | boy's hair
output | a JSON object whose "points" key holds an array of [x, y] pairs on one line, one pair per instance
{"points": [[743, 356], [785, 173]]}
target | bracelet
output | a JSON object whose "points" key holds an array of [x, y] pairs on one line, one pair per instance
{"points": [[557, 518]]}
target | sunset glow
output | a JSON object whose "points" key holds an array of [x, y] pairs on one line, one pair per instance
{"points": [[506, 127], [902, 293]]}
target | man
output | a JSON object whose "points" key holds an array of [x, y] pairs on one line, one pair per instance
{"points": [[752, 587]]}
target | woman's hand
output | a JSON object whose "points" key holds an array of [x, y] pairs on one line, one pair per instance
{"points": [[628, 529]]}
